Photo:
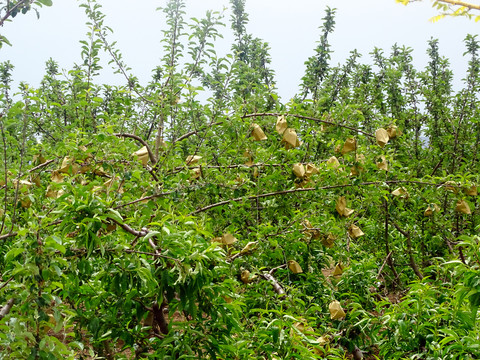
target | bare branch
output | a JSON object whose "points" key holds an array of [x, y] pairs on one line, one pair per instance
{"points": [[6, 283], [276, 286], [3, 237], [194, 132], [41, 165]]}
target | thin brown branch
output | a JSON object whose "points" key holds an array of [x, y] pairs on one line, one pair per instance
{"points": [[41, 165], [141, 233], [15, 7], [413, 264], [276, 286], [145, 198], [386, 239], [272, 271], [383, 265], [130, 251], [141, 141], [234, 166], [6, 283], [283, 192], [6, 309], [129, 229], [309, 118], [3, 237], [195, 132]]}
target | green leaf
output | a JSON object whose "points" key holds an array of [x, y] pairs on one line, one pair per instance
{"points": [[151, 234], [55, 243], [115, 215], [13, 253], [46, 2]]}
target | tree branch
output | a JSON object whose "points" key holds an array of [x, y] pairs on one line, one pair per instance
{"points": [[141, 141], [145, 198], [309, 118], [283, 192], [276, 286], [6, 309], [461, 3], [413, 265], [14, 7], [41, 165], [129, 229], [3, 237], [194, 132]]}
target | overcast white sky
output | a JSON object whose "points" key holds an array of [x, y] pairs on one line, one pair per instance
{"points": [[289, 26]]}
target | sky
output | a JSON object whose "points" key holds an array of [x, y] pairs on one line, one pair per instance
{"points": [[291, 27]]}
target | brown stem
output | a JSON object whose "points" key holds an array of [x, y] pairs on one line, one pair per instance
{"points": [[6, 309], [413, 264], [195, 132], [144, 198], [3, 237], [127, 228], [14, 7], [141, 141], [308, 118], [159, 317], [156, 254], [6, 283], [41, 165], [387, 244], [384, 263], [283, 192], [276, 286], [436, 167]]}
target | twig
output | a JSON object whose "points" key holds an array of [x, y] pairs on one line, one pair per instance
{"points": [[6, 309], [129, 229], [130, 251], [308, 118], [383, 265], [3, 237], [387, 244], [145, 198], [276, 286], [235, 166], [14, 8], [195, 132], [283, 192], [413, 265], [41, 165], [6, 283], [276, 268], [141, 141]]}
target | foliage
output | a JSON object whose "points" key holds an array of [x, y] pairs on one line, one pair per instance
{"points": [[451, 8], [11, 8], [199, 216]]}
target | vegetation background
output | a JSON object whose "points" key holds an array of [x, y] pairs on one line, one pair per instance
{"points": [[196, 215]]}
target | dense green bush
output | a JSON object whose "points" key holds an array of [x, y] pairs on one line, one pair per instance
{"points": [[198, 216]]}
